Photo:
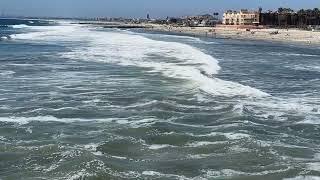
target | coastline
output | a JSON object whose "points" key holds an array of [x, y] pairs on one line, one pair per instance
{"points": [[283, 35]]}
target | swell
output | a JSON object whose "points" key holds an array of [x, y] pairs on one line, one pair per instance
{"points": [[22, 23], [171, 59]]}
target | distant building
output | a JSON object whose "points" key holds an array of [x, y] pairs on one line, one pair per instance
{"points": [[242, 17], [173, 20], [283, 18], [200, 20]]}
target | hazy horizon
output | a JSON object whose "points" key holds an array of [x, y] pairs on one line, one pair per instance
{"points": [[138, 8]]}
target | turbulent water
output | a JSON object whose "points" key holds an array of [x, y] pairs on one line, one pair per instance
{"points": [[78, 102]]}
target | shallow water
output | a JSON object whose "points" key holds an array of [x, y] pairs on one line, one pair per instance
{"points": [[82, 102]]}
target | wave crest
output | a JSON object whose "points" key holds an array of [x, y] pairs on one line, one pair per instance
{"points": [[171, 59], [19, 26]]}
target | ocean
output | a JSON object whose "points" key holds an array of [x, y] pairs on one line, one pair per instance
{"points": [[83, 102]]}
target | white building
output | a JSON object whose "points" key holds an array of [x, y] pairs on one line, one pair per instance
{"points": [[243, 17]]}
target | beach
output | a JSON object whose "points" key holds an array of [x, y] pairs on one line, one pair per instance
{"points": [[291, 35], [265, 34]]}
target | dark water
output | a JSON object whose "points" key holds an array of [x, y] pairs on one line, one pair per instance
{"points": [[84, 103]]}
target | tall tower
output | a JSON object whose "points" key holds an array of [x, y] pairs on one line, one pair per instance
{"points": [[148, 16]]}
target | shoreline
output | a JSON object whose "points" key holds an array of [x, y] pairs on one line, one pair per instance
{"points": [[295, 36]]}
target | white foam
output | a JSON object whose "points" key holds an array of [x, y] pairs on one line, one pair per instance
{"points": [[136, 122], [231, 136], [132, 121], [119, 157], [222, 173], [26, 120], [177, 60], [239, 149], [317, 156], [29, 130], [199, 156], [19, 26], [315, 166], [167, 176], [82, 174], [204, 143], [142, 104], [279, 108], [293, 54], [159, 146], [151, 173], [306, 67], [228, 173], [2, 138], [236, 136], [303, 178], [49, 33], [52, 168], [3, 38], [310, 120], [6, 73], [92, 147]]}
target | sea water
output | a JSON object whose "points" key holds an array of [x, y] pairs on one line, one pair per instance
{"points": [[81, 102]]}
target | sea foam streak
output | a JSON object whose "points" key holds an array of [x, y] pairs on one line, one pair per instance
{"points": [[19, 26], [176, 60]]}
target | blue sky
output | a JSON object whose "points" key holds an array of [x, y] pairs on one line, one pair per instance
{"points": [[139, 8]]}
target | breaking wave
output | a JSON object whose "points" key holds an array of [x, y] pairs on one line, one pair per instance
{"points": [[171, 59]]}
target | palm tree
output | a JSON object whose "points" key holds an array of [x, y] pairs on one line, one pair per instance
{"points": [[301, 17], [288, 10], [316, 12], [280, 10], [301, 11]]}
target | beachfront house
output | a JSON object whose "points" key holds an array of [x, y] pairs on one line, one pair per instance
{"points": [[242, 17]]}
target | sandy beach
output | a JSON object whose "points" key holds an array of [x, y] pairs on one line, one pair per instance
{"points": [[282, 35]]}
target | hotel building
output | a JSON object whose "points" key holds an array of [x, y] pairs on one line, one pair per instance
{"points": [[243, 17]]}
